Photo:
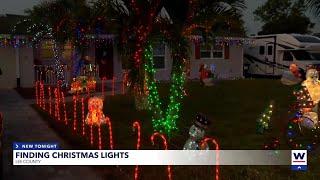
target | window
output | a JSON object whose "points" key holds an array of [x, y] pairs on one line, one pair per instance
{"points": [[316, 56], [307, 39], [67, 53], [287, 56], [159, 52], [46, 49], [301, 55], [261, 50], [211, 52], [270, 50]]}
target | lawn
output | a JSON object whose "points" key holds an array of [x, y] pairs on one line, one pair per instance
{"points": [[232, 107]]}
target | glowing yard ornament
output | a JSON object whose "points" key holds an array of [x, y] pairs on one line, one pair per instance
{"points": [[83, 84], [197, 132], [309, 98], [312, 83], [95, 115]]}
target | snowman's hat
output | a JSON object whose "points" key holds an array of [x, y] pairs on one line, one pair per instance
{"points": [[201, 121]]}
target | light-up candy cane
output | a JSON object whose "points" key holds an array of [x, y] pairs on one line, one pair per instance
{"points": [[74, 112], [57, 108], [64, 108], [108, 122], [136, 125], [99, 135], [83, 120], [50, 101], [216, 144], [103, 85], [55, 103], [42, 96], [165, 147]]}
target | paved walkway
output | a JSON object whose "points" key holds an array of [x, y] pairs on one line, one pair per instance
{"points": [[22, 123]]}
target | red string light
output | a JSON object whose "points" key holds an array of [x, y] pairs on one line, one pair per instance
{"points": [[165, 144], [74, 112], [42, 103], [64, 108], [99, 136], [55, 103], [216, 144], [83, 120], [50, 100], [91, 134], [57, 108], [108, 122], [136, 125]]}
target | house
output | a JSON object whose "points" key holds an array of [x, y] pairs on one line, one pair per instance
{"points": [[23, 65], [16, 62]]}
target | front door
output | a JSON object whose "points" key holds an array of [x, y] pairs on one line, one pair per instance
{"points": [[104, 58], [270, 59]]}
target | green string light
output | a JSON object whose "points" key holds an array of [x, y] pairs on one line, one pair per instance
{"points": [[164, 122]]}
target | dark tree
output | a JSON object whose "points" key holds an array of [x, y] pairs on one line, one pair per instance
{"points": [[286, 16]]}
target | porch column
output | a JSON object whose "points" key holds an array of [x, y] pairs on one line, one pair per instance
{"points": [[17, 54]]}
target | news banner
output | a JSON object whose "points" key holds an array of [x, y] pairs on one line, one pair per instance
{"points": [[49, 153]]}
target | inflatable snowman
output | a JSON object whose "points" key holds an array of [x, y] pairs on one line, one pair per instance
{"points": [[197, 132]]}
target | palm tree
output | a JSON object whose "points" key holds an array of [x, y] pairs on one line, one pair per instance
{"points": [[314, 5], [61, 21]]}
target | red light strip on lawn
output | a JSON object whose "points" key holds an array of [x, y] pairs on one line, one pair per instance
{"points": [[216, 144], [64, 108], [91, 134], [136, 125], [99, 136], [83, 120], [165, 144], [108, 122], [50, 101], [74, 112]]}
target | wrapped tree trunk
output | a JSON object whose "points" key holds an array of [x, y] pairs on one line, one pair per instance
{"points": [[57, 50]]}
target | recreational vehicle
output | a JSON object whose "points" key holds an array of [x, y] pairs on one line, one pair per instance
{"points": [[270, 55]]}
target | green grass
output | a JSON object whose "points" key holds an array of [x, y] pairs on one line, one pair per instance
{"points": [[232, 107]]}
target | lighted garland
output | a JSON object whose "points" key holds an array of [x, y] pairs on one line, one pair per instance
{"points": [[164, 122], [296, 138], [294, 132]]}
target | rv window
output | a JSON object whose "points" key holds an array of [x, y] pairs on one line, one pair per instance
{"points": [[302, 55], [307, 39], [287, 56], [261, 51], [270, 50], [316, 56]]}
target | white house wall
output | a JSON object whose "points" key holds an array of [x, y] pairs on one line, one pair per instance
{"points": [[224, 68], [8, 66], [117, 65], [26, 67]]}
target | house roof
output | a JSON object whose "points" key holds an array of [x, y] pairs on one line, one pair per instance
{"points": [[7, 23]]}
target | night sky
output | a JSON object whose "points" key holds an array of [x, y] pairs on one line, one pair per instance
{"points": [[18, 7]]}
